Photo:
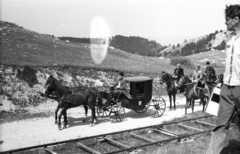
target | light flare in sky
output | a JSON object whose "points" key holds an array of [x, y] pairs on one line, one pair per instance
{"points": [[100, 28]]}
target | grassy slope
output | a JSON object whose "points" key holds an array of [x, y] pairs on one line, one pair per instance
{"points": [[23, 47]]}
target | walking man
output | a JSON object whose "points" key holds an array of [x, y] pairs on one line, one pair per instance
{"points": [[230, 93]]}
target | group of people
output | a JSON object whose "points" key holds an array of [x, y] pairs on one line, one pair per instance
{"points": [[198, 74], [229, 105]]}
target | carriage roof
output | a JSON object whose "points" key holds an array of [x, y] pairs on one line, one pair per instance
{"points": [[137, 79]]}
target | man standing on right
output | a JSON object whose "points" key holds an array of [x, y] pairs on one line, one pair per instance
{"points": [[230, 92]]}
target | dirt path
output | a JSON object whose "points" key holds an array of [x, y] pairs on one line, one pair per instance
{"points": [[37, 131]]}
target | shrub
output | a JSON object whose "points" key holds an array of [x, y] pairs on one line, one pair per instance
{"points": [[183, 61], [29, 75]]}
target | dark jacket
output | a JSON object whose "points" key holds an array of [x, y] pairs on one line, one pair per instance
{"points": [[179, 72], [210, 74]]}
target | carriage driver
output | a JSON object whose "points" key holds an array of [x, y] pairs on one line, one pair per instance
{"points": [[120, 85], [178, 73]]}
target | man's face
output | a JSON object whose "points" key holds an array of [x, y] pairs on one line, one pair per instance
{"points": [[231, 23]]}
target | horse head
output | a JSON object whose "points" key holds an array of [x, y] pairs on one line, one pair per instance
{"points": [[49, 85], [183, 80], [164, 77], [49, 80]]}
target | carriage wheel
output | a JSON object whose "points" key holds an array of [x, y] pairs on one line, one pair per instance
{"points": [[159, 106], [118, 112], [104, 110], [143, 110]]}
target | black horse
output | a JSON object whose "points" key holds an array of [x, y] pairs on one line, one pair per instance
{"points": [[195, 90], [171, 87], [69, 99]]}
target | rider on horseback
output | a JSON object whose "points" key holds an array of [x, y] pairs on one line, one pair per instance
{"points": [[197, 74], [198, 78], [210, 74], [178, 73]]}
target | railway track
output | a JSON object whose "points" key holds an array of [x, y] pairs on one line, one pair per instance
{"points": [[191, 128]]}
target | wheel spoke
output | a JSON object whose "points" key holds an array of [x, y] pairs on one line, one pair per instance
{"points": [[159, 106]]}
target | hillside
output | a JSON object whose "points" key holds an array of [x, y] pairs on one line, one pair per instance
{"points": [[205, 43], [23, 47], [133, 44]]}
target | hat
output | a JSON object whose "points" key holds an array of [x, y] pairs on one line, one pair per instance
{"points": [[208, 63], [121, 74]]}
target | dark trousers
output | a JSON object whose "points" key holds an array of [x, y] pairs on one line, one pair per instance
{"points": [[229, 99]]}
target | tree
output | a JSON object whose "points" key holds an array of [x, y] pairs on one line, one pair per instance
{"points": [[177, 53]]}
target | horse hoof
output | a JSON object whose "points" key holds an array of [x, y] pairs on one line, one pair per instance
{"points": [[64, 127], [92, 125]]}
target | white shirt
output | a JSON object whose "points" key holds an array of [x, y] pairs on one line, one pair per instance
{"points": [[232, 61]]}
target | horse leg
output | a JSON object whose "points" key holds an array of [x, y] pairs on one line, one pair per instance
{"points": [[56, 112], [193, 102], [174, 101], [93, 115], [170, 99], [59, 118], [186, 106], [65, 119], [189, 104], [86, 111], [204, 101]]}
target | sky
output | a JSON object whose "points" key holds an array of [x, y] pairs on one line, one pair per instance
{"points": [[165, 21]]}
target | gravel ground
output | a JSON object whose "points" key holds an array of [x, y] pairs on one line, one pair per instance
{"points": [[42, 130]]}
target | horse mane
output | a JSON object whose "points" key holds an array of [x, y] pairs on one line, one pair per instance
{"points": [[60, 85], [168, 75]]}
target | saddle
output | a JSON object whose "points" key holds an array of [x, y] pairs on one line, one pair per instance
{"points": [[199, 86]]}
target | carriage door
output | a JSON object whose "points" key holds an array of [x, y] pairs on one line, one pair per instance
{"points": [[140, 96]]}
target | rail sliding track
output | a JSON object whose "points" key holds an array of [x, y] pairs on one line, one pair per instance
{"points": [[192, 128]]}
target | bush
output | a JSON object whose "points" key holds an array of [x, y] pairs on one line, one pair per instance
{"points": [[183, 61], [29, 75]]}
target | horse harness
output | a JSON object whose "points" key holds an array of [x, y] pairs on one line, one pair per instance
{"points": [[70, 93]]}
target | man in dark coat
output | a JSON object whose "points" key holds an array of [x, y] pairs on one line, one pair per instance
{"points": [[178, 73], [210, 74]]}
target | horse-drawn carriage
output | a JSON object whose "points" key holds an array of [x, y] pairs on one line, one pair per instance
{"points": [[137, 97]]}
